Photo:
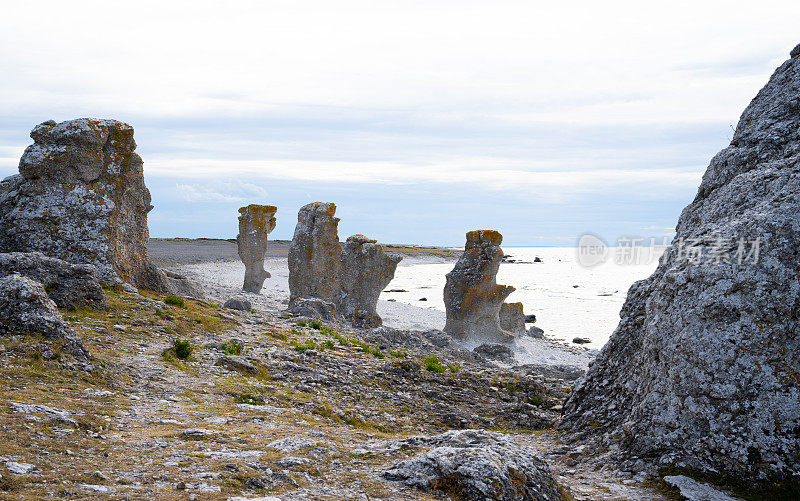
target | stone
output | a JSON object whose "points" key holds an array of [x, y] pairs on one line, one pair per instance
{"points": [[70, 286], [21, 468], [255, 223], [476, 464], [25, 308], [536, 332], [795, 52], [581, 340], [80, 196], [291, 444], [365, 271], [701, 371], [499, 352], [314, 308], [315, 255], [472, 297], [97, 488], [183, 286], [512, 318], [530, 319], [236, 363], [692, 490], [238, 303]]}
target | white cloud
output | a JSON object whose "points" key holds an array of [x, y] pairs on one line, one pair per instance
{"points": [[220, 192]]}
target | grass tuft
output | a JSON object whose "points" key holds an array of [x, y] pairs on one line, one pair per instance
{"points": [[432, 364], [175, 301]]}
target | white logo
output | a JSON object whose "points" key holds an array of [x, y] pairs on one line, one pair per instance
{"points": [[592, 250]]}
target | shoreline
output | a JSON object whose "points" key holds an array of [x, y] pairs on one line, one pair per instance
{"points": [[221, 277]]}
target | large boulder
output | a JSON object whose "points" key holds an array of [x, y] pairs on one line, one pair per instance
{"points": [[80, 196], [315, 255], [366, 271], [476, 464], [472, 297], [25, 308], [512, 318], [255, 222], [702, 370], [70, 286]]}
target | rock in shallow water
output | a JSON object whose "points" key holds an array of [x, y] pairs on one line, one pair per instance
{"points": [[702, 369], [476, 464]]}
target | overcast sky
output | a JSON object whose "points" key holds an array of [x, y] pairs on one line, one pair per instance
{"points": [[421, 120]]}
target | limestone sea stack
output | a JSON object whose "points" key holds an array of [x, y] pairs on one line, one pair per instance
{"points": [[703, 369], [315, 255], [472, 297], [366, 271], [255, 223], [512, 318], [80, 197]]}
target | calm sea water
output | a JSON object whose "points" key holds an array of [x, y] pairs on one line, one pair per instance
{"points": [[569, 300]]}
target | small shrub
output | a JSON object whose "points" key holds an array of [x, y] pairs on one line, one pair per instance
{"points": [[182, 348], [175, 301], [233, 347], [328, 330], [342, 340], [315, 324], [247, 398], [329, 344], [308, 345], [432, 364], [536, 400], [378, 353], [302, 323], [454, 368], [397, 354], [166, 356]]}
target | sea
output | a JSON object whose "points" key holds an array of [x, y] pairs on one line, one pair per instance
{"points": [[569, 299]]}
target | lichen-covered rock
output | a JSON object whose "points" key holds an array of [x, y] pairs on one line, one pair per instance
{"points": [[315, 255], [476, 464], [238, 303], [702, 370], [183, 286], [255, 223], [366, 271], [70, 286], [80, 196], [512, 318], [499, 352], [472, 297], [314, 308], [25, 308]]}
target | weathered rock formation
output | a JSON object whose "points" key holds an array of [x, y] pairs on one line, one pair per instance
{"points": [[80, 196], [315, 254], [476, 464], [472, 297], [512, 318], [70, 286], [366, 271], [25, 308], [703, 369], [255, 222]]}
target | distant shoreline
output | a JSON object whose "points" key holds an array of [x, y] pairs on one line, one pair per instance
{"points": [[180, 251]]}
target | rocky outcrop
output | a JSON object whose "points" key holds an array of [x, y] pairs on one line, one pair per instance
{"points": [[255, 223], [702, 370], [80, 196], [476, 464], [314, 308], [183, 286], [512, 318], [472, 297], [366, 270], [315, 255], [70, 286], [25, 308]]}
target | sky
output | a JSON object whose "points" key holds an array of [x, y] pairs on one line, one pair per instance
{"points": [[420, 120]]}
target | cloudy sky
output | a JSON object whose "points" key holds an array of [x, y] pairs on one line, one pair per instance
{"points": [[421, 120]]}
